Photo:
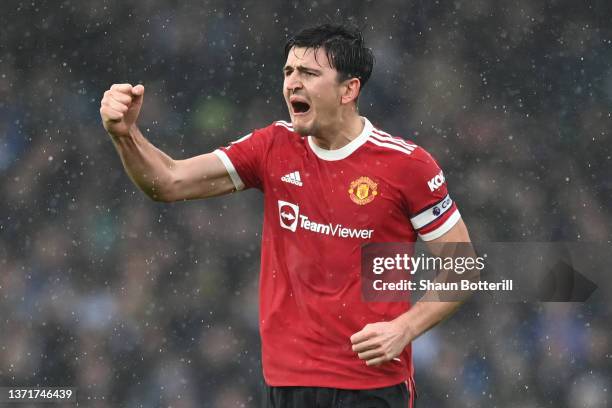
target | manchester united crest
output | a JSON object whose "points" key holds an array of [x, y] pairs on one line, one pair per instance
{"points": [[363, 190]]}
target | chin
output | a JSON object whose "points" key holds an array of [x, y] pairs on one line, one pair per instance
{"points": [[301, 128]]}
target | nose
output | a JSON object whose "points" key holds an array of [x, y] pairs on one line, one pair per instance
{"points": [[292, 82]]}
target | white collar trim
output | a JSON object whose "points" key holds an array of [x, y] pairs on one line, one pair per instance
{"points": [[344, 151]]}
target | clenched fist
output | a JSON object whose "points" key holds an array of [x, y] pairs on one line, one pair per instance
{"points": [[380, 342], [120, 107]]}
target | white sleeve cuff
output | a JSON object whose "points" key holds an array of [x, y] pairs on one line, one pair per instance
{"points": [[231, 170], [442, 229]]}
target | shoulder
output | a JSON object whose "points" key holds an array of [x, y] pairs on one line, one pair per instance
{"points": [[275, 131], [402, 152], [282, 126], [278, 127]]}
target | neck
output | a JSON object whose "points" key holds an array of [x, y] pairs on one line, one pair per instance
{"points": [[340, 132]]}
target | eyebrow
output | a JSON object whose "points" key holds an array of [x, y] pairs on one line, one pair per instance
{"points": [[301, 68]]}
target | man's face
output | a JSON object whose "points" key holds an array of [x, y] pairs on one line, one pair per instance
{"points": [[311, 90]]}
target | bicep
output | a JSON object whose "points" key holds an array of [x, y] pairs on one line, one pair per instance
{"points": [[199, 177], [457, 233]]}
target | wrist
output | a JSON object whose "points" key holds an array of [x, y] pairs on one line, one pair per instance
{"points": [[127, 134], [133, 130], [406, 327]]}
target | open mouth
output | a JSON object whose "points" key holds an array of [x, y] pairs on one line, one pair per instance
{"points": [[300, 107]]}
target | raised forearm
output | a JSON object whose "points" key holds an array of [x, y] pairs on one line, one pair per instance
{"points": [[156, 173], [148, 167]]}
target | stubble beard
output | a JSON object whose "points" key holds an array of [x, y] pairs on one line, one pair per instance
{"points": [[302, 129]]}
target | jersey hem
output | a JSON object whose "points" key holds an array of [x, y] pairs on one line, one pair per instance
{"points": [[370, 385]]}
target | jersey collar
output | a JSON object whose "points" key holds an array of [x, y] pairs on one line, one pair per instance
{"points": [[344, 151]]}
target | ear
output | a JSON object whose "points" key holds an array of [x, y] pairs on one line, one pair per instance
{"points": [[351, 88]]}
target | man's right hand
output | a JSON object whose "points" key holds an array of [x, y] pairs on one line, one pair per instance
{"points": [[120, 108]]}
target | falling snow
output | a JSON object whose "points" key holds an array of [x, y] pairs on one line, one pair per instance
{"points": [[138, 303]]}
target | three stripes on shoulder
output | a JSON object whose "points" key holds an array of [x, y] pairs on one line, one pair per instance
{"points": [[377, 137]]}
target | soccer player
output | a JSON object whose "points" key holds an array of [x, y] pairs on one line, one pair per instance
{"points": [[332, 182]]}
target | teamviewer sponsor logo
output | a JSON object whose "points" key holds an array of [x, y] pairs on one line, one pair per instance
{"points": [[293, 178], [290, 218], [436, 181], [288, 214]]}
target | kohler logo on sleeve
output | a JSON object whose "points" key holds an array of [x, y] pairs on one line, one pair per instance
{"points": [[436, 181]]}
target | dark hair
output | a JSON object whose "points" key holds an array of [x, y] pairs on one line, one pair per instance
{"points": [[344, 46]]}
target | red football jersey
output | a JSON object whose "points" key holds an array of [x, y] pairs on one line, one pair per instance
{"points": [[320, 207]]}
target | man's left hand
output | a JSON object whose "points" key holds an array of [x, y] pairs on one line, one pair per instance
{"points": [[380, 342]]}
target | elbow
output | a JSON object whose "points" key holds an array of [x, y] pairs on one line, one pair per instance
{"points": [[167, 192], [160, 198], [168, 189], [160, 195]]}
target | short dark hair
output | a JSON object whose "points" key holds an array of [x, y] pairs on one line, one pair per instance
{"points": [[344, 46]]}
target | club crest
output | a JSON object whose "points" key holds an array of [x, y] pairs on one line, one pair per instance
{"points": [[363, 190]]}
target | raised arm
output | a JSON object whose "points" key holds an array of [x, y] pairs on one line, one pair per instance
{"points": [[161, 177]]}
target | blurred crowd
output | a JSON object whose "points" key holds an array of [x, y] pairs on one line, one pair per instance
{"points": [[142, 304]]}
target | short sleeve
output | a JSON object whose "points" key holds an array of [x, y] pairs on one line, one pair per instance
{"points": [[244, 159], [431, 209]]}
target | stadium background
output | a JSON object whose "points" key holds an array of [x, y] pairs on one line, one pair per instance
{"points": [[139, 303]]}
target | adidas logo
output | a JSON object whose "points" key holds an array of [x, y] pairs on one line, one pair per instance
{"points": [[293, 178]]}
